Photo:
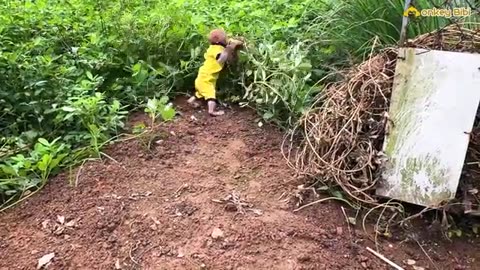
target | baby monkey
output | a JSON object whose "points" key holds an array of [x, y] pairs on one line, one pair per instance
{"points": [[217, 55]]}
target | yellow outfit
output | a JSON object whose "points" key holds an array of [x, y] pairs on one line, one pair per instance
{"points": [[208, 73]]}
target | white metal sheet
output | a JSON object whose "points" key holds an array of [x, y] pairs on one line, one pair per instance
{"points": [[434, 101]]}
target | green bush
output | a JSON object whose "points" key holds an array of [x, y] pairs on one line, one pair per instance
{"points": [[70, 70]]}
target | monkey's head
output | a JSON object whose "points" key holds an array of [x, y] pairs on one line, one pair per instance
{"points": [[217, 36]]}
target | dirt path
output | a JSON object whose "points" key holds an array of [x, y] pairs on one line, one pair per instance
{"points": [[156, 211]]}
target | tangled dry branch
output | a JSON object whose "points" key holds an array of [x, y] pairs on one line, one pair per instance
{"points": [[343, 132]]}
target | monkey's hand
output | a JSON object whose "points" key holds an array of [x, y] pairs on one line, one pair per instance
{"points": [[236, 44]]}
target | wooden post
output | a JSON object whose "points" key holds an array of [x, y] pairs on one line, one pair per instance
{"points": [[403, 31]]}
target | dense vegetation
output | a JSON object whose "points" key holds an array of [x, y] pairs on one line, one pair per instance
{"points": [[70, 70]]}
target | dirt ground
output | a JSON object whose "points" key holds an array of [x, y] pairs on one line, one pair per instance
{"points": [[163, 210]]}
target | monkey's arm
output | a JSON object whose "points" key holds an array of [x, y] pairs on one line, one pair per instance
{"points": [[226, 54], [229, 54]]}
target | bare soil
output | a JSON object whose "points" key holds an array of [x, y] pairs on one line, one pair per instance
{"points": [[163, 209]]}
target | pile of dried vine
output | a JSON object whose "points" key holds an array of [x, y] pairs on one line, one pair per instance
{"points": [[344, 130]]}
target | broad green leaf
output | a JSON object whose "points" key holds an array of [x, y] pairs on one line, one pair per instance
{"points": [[8, 170], [136, 68], [304, 66], [168, 113], [164, 100], [43, 141], [56, 161], [89, 75], [68, 109], [43, 164]]}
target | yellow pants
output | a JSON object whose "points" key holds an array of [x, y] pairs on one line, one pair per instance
{"points": [[205, 89]]}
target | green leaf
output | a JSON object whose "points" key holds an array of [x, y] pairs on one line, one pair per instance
{"points": [[8, 170], [43, 141], [89, 75], [337, 194], [43, 164], [56, 161], [267, 115], [304, 66], [94, 38], [152, 104], [31, 134], [136, 68], [68, 109], [168, 113], [164, 100]]}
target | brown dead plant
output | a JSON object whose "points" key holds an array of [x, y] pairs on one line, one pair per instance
{"points": [[343, 132]]}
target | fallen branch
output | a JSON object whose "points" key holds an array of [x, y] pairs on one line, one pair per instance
{"points": [[383, 258]]}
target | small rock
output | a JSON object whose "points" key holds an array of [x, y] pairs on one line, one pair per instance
{"points": [[117, 264], [364, 265], [339, 230], [418, 268], [209, 243], [303, 258], [203, 266], [363, 258], [45, 260], [411, 262], [111, 227], [217, 168], [230, 207], [227, 245], [217, 233], [460, 267]]}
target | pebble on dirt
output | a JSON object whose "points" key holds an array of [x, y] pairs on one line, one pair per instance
{"points": [[217, 233], [45, 260], [411, 262]]}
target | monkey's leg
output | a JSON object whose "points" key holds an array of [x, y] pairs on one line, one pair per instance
{"points": [[212, 104]]}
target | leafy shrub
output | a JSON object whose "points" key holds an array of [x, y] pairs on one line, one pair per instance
{"points": [[70, 70]]}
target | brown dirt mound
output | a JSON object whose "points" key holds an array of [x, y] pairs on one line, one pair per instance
{"points": [[158, 210]]}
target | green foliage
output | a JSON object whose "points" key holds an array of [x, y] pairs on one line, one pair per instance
{"points": [[354, 27], [71, 69], [160, 107], [277, 81], [20, 173]]}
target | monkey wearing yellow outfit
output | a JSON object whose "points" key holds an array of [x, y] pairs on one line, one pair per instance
{"points": [[216, 56]]}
